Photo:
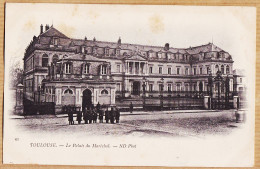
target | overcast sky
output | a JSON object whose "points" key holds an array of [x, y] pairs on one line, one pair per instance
{"points": [[230, 28]]}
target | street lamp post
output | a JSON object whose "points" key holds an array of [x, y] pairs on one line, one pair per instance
{"points": [[144, 91], [161, 94]]}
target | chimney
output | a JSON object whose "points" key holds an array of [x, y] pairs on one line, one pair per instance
{"points": [[119, 41], [46, 27], [167, 46], [41, 29]]}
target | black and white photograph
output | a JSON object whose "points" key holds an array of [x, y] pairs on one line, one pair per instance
{"points": [[129, 85]]}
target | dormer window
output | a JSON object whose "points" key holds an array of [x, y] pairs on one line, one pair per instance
{"points": [[83, 48], [55, 41], [117, 51], [159, 55], [107, 51], [95, 50]]}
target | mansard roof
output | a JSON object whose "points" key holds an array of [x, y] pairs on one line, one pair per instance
{"points": [[45, 41], [52, 32], [210, 47]]}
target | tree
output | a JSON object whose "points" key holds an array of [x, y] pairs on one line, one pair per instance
{"points": [[16, 75]]}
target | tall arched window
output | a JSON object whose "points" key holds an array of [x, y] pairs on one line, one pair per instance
{"points": [[45, 60], [55, 58], [227, 70], [222, 69]]}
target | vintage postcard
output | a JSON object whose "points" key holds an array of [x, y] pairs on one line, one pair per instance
{"points": [[129, 85]]}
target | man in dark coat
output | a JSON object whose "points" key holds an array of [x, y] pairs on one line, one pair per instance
{"points": [[94, 116], [79, 117], [85, 115], [117, 115], [70, 114], [107, 115], [98, 106], [90, 117], [131, 107], [112, 115], [100, 115]]}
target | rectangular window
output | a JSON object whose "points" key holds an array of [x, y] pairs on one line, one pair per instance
{"points": [[186, 71], [150, 70], [194, 71], [86, 70], [169, 70], [160, 70], [150, 87], [104, 70], [169, 87], [178, 87], [201, 70], [240, 80], [67, 68], [55, 41], [207, 70], [118, 68], [178, 70], [161, 87], [118, 87]]}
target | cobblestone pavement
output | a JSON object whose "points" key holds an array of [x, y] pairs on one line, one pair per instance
{"points": [[166, 124]]}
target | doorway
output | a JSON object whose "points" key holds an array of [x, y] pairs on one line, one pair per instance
{"points": [[136, 88], [87, 99]]}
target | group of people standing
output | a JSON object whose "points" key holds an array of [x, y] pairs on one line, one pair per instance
{"points": [[90, 114]]}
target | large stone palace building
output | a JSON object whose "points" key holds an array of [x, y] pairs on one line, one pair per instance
{"points": [[80, 72]]}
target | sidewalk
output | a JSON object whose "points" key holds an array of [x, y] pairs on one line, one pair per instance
{"points": [[122, 113], [154, 112]]}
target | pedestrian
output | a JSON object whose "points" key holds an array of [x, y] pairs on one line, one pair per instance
{"points": [[90, 118], [131, 107], [94, 116], [98, 106], [85, 115], [70, 114], [79, 117], [100, 115], [112, 116], [107, 115], [117, 115]]}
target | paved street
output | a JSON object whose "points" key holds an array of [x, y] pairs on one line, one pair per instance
{"points": [[193, 123]]}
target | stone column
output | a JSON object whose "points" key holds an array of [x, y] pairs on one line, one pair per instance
{"points": [[112, 96], [19, 100], [206, 102], [133, 68], [78, 97], [58, 96], [95, 96]]}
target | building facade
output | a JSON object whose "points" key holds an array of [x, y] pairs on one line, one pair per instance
{"points": [[80, 72]]}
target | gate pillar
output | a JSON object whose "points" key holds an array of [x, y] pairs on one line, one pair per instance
{"points": [[19, 100], [236, 102], [207, 102]]}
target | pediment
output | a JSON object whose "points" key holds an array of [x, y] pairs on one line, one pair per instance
{"points": [[136, 57]]}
